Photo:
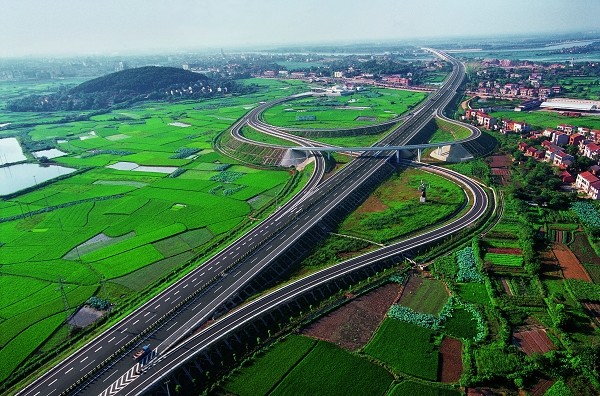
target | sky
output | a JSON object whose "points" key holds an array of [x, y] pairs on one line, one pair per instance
{"points": [[69, 27]]}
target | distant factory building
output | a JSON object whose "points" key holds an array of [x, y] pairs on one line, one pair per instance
{"points": [[570, 104]]}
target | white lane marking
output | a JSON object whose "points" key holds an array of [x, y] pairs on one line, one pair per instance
{"points": [[53, 382], [98, 349], [84, 359], [121, 340], [156, 307], [37, 393], [186, 285], [218, 288], [111, 339], [135, 322], [178, 297], [147, 313], [202, 273], [177, 292], [169, 328], [167, 299], [237, 273], [124, 330], [194, 280], [68, 371], [84, 367], [113, 373]]}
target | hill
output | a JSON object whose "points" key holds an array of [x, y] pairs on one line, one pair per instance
{"points": [[123, 88], [142, 80]]}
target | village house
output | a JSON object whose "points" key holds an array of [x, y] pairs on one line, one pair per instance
{"points": [[560, 138], [595, 170], [522, 146], [482, 118], [591, 150], [594, 191], [563, 159], [551, 152], [566, 177], [584, 180], [575, 139], [514, 126], [566, 128]]}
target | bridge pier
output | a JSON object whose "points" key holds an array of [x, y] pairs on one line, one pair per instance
{"points": [[398, 156], [418, 155]]}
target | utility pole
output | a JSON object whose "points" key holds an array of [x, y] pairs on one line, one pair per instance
{"points": [[61, 288]]}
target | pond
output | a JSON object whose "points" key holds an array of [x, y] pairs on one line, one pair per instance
{"points": [[10, 151], [51, 153], [18, 177]]}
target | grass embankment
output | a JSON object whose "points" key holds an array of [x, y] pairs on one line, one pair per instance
{"points": [[448, 132]]}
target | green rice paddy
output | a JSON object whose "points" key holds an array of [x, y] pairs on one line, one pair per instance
{"points": [[127, 228]]}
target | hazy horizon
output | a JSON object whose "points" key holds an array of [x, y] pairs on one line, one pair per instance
{"points": [[110, 27]]}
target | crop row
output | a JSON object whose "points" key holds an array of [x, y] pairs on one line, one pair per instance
{"points": [[587, 213]]}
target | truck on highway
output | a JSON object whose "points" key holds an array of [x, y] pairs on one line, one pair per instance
{"points": [[142, 352]]}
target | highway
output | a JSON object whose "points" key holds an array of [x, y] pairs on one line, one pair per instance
{"points": [[175, 312], [223, 327]]}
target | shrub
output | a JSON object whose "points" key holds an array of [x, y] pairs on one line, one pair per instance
{"points": [[467, 266]]}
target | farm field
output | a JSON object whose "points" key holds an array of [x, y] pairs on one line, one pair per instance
{"points": [[363, 108], [424, 295], [405, 347], [123, 228], [394, 210], [329, 370], [417, 388], [264, 373], [547, 119], [352, 325]]}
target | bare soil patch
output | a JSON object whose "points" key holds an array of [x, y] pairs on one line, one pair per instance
{"points": [[532, 341], [500, 161], [451, 366], [85, 317], [372, 205], [593, 311], [352, 325], [540, 388], [506, 287], [571, 267]]}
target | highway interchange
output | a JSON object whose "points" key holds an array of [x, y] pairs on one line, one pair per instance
{"points": [[168, 318]]}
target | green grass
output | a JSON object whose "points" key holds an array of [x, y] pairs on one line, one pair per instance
{"points": [[418, 388], [461, 324], [406, 348], [447, 132], [330, 370], [334, 112], [474, 293], [261, 375], [394, 210], [506, 260], [429, 298], [545, 119], [257, 136]]}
